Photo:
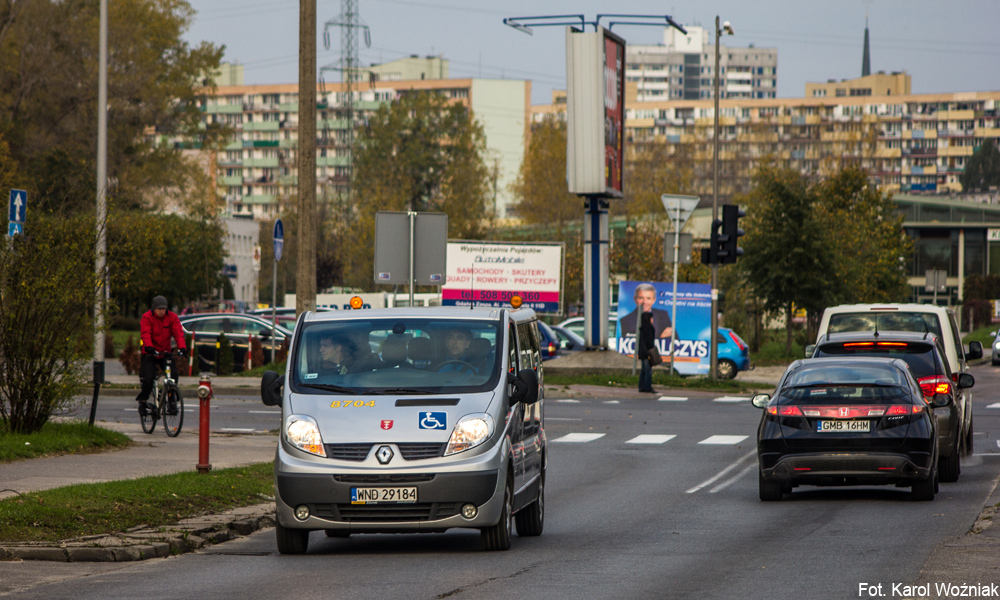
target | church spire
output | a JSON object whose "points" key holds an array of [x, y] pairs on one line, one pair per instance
{"points": [[866, 61]]}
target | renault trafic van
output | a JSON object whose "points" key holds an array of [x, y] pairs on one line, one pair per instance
{"points": [[410, 420]]}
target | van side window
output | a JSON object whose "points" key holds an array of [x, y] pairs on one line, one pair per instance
{"points": [[524, 339], [514, 367], [959, 348]]}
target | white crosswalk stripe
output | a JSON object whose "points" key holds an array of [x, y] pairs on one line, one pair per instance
{"points": [[731, 399], [612, 402], [651, 438], [723, 440], [994, 405], [673, 399], [579, 437], [568, 401]]}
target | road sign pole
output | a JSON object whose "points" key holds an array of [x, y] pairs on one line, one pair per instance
{"points": [[673, 314], [278, 237], [413, 222]]}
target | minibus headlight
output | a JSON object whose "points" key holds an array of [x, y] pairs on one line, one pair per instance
{"points": [[303, 433], [471, 431]]}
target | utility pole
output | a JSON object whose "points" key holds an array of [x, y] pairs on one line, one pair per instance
{"points": [[305, 273], [100, 251]]}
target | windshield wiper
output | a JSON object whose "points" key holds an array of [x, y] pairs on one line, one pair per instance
{"points": [[330, 388], [413, 391]]}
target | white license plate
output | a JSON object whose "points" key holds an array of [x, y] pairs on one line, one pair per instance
{"points": [[863, 426], [383, 495]]}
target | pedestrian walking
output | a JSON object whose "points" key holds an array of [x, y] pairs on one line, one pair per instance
{"points": [[645, 342]]}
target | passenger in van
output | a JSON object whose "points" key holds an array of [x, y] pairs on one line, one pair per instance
{"points": [[337, 354]]}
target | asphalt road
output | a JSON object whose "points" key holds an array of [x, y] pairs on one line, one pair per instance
{"points": [[671, 516]]}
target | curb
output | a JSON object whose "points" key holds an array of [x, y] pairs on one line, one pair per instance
{"points": [[145, 542]]}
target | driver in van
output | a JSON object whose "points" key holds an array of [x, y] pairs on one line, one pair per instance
{"points": [[456, 345]]}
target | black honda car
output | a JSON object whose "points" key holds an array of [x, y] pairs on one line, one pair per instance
{"points": [[847, 421], [924, 354]]}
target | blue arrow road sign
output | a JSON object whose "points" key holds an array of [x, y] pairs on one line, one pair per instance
{"points": [[18, 206], [14, 229], [279, 239]]}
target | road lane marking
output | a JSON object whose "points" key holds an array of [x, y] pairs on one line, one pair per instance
{"points": [[732, 399], [612, 402], [264, 412], [673, 399], [236, 430], [994, 405], [732, 480], [561, 419], [651, 438], [722, 473], [579, 437], [569, 401], [723, 440]]}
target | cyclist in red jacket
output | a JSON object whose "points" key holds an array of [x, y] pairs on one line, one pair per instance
{"points": [[156, 328]]}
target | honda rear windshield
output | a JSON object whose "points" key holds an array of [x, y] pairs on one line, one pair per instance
{"points": [[884, 321], [844, 382], [921, 358]]}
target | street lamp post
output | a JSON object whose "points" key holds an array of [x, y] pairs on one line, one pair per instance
{"points": [[713, 349]]}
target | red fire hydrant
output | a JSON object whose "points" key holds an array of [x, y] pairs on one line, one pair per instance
{"points": [[204, 396]]}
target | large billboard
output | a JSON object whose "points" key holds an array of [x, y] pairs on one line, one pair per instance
{"points": [[595, 112], [490, 274], [690, 335]]}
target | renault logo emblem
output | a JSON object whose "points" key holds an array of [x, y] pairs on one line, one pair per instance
{"points": [[384, 455]]}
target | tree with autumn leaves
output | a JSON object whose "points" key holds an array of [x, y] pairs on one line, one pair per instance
{"points": [[812, 244]]}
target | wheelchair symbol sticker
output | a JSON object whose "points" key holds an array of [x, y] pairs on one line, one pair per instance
{"points": [[433, 420]]}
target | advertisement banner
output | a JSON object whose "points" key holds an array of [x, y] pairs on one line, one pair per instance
{"points": [[614, 111], [490, 274], [690, 335]]}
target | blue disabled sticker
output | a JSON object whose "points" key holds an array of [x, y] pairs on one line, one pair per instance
{"points": [[433, 420]]}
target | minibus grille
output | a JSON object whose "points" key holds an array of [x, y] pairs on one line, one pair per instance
{"points": [[419, 451], [356, 452], [386, 513], [409, 451], [387, 478]]}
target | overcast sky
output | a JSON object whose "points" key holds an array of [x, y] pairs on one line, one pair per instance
{"points": [[946, 45]]}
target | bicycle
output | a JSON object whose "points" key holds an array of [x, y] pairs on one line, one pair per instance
{"points": [[163, 400]]}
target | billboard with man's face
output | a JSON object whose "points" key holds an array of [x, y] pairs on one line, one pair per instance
{"points": [[689, 335]]}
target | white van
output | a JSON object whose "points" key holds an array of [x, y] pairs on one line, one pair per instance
{"points": [[410, 420], [939, 320]]}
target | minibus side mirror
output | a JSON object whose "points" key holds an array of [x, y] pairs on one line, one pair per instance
{"points": [[525, 387], [271, 385]]}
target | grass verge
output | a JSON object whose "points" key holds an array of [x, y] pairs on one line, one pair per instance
{"points": [[59, 438], [982, 335], [660, 378], [116, 506]]}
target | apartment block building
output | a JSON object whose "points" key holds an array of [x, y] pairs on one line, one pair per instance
{"points": [[913, 143], [683, 68], [258, 168]]}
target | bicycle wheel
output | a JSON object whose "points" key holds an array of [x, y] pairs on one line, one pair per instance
{"points": [[148, 419], [172, 423]]}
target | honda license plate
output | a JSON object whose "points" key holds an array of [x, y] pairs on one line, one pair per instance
{"points": [[862, 426], [383, 495]]}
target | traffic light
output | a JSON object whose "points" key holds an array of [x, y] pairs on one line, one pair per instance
{"points": [[710, 255], [729, 249]]}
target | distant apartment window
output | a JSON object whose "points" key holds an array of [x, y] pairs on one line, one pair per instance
{"points": [[841, 92]]}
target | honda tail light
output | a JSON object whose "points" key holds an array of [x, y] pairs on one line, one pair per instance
{"points": [[785, 411], [904, 409], [935, 384]]}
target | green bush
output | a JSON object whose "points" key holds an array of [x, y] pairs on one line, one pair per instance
{"points": [[47, 286]]}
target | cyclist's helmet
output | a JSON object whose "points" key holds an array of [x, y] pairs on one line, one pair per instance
{"points": [[159, 302]]}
